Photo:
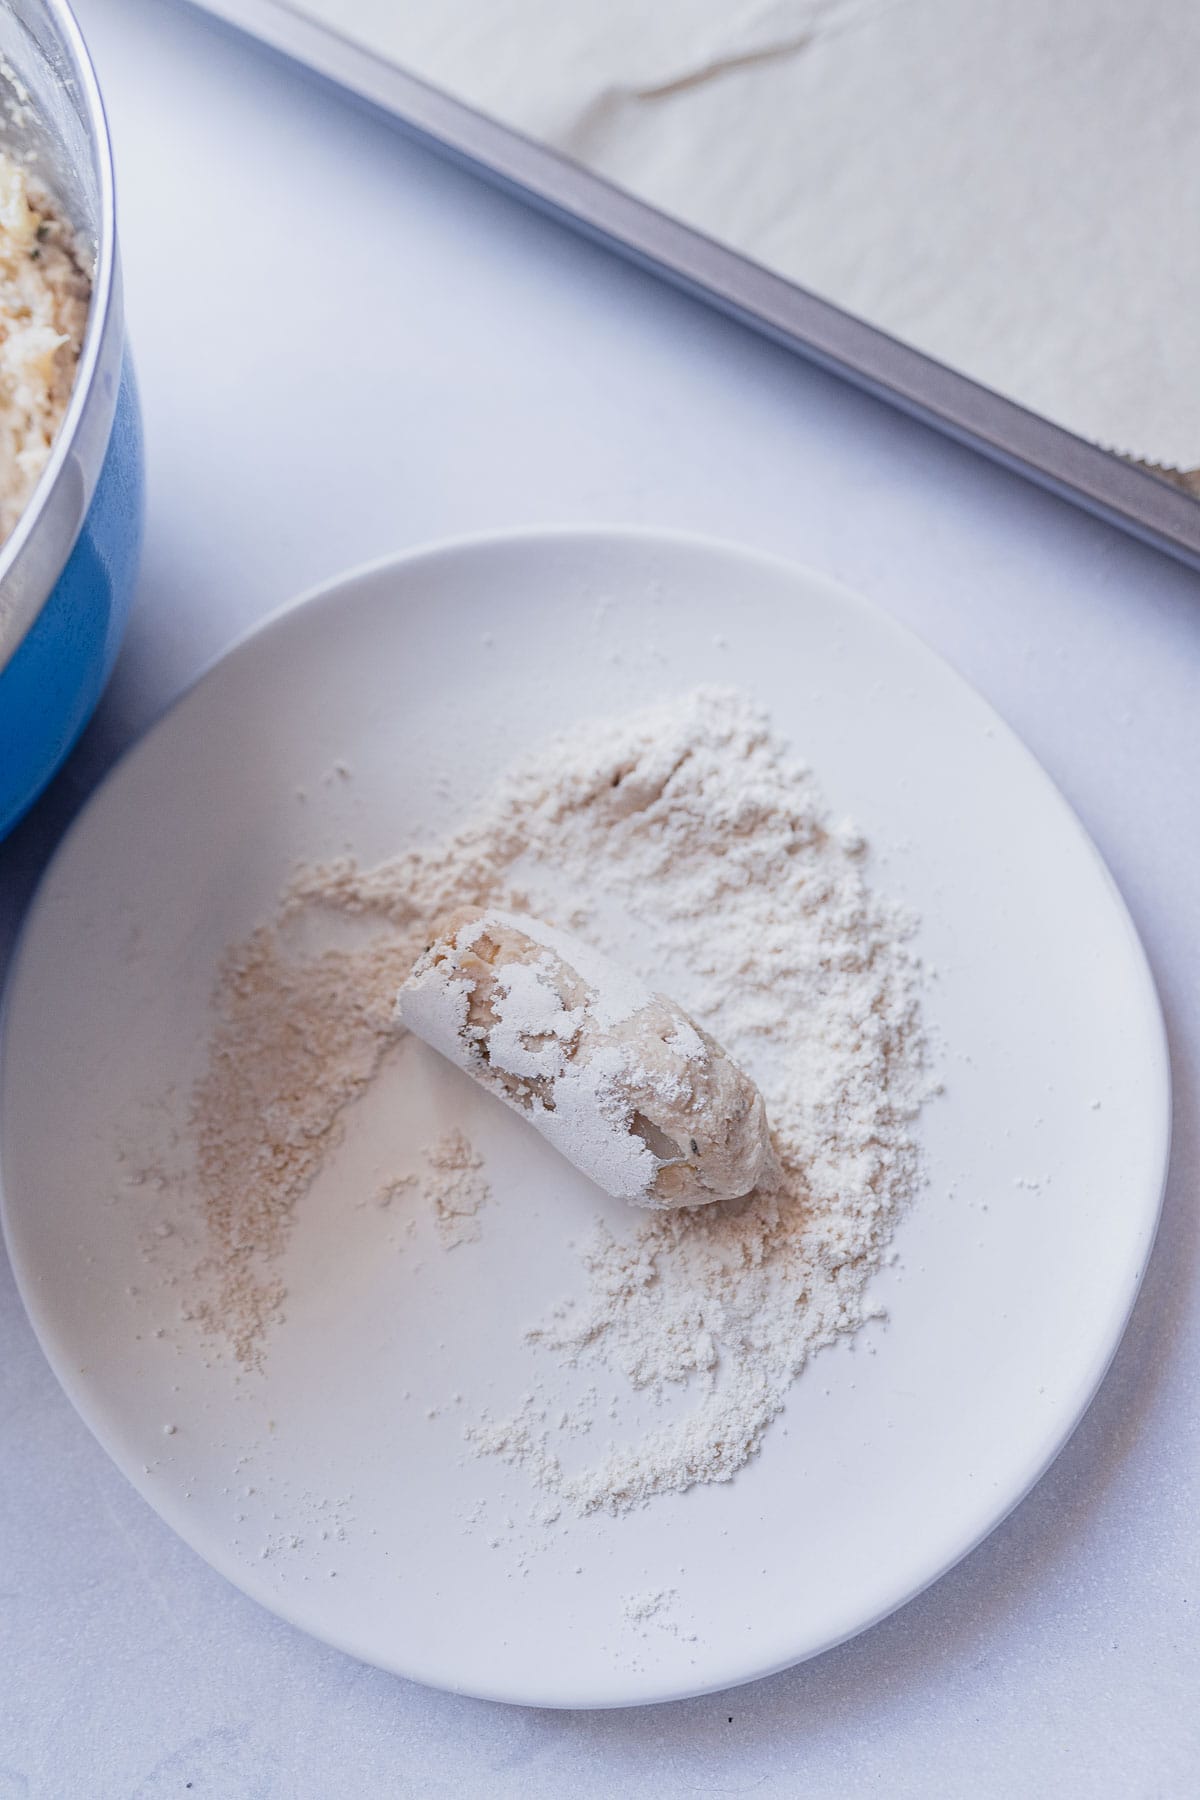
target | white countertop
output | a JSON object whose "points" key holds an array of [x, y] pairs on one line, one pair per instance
{"points": [[346, 348]]}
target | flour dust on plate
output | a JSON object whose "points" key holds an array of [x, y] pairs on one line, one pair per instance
{"points": [[374, 1346], [684, 841]]}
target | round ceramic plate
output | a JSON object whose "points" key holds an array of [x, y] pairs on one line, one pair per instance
{"points": [[332, 1484]]}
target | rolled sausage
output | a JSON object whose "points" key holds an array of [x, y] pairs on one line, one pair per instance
{"points": [[617, 1078]]}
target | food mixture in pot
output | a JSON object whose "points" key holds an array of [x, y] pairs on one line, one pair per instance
{"points": [[44, 295]]}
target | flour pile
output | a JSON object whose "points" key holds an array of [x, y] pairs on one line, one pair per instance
{"points": [[687, 843]]}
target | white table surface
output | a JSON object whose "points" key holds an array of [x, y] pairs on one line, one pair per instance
{"points": [[346, 348]]}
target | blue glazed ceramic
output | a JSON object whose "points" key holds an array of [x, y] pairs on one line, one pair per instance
{"points": [[67, 573]]}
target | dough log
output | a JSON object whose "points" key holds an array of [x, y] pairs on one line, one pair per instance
{"points": [[619, 1079]]}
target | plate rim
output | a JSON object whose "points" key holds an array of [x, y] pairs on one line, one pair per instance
{"points": [[327, 594]]}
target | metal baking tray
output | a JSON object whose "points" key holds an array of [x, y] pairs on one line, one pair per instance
{"points": [[1137, 501]]}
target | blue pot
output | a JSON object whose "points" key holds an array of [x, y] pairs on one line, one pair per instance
{"points": [[67, 572]]}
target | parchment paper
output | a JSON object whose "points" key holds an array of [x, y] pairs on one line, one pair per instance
{"points": [[1009, 185]]}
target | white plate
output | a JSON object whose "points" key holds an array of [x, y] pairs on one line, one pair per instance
{"points": [[1018, 1265]]}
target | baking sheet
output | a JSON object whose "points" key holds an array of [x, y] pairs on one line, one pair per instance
{"points": [[999, 185], [1009, 430]]}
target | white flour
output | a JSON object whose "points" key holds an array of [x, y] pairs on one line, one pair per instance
{"points": [[456, 1187], [687, 842]]}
